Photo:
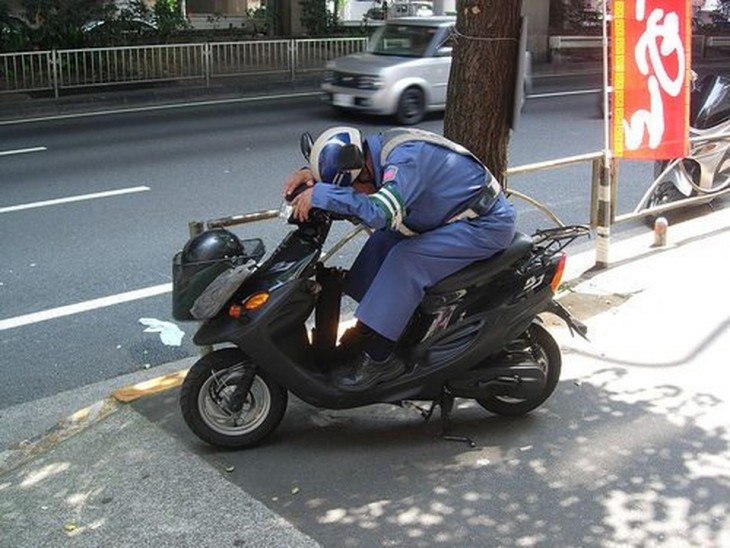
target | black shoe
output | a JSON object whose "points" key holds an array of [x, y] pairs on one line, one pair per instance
{"points": [[352, 343], [364, 372]]}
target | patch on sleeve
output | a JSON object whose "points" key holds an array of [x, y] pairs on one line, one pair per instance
{"points": [[389, 174]]}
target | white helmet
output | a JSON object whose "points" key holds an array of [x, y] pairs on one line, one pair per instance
{"points": [[337, 156]]}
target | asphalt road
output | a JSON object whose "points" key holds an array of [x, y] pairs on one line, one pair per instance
{"points": [[81, 268]]}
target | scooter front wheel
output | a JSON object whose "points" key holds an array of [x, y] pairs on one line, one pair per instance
{"points": [[208, 394], [546, 352]]}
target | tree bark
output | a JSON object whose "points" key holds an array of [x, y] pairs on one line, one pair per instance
{"points": [[482, 79]]}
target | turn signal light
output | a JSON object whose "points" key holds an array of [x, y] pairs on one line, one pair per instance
{"points": [[256, 301], [557, 278]]}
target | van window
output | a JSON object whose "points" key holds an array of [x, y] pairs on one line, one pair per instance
{"points": [[402, 40]]}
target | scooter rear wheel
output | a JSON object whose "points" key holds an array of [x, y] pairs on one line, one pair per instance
{"points": [[206, 394], [547, 353]]}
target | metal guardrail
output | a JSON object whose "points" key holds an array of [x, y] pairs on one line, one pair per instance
{"points": [[596, 158], [55, 70], [26, 71], [134, 64], [562, 43], [718, 41], [575, 42]]}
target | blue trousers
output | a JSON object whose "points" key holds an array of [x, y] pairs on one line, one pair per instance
{"points": [[390, 275]]}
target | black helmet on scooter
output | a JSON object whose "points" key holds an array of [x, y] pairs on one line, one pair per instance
{"points": [[203, 259], [212, 245]]}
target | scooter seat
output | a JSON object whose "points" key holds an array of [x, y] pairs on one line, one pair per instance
{"points": [[481, 271]]}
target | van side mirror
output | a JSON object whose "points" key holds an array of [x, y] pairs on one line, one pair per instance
{"points": [[305, 144], [444, 51]]}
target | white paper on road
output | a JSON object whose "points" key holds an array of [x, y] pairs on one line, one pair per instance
{"points": [[170, 334]]}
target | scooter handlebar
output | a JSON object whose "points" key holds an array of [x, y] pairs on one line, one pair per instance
{"points": [[296, 192], [316, 214]]}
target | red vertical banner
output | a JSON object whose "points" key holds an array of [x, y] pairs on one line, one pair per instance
{"points": [[651, 42]]}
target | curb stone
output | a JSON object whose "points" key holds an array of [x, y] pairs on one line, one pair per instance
{"points": [[70, 426], [84, 418]]}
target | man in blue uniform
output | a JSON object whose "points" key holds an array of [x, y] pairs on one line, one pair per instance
{"points": [[435, 209]]}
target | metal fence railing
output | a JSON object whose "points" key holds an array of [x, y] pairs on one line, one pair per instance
{"points": [[259, 57], [55, 70], [312, 54], [134, 64], [562, 44], [27, 71]]}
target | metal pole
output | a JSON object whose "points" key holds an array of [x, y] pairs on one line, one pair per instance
{"points": [[207, 54], [292, 59], [603, 230], [595, 181], [614, 188], [54, 71]]}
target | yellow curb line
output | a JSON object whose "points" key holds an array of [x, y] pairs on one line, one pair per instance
{"points": [[147, 388]]}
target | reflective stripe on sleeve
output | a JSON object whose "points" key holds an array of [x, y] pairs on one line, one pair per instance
{"points": [[388, 199]]}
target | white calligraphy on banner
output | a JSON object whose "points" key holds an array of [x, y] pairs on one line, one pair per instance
{"points": [[660, 40]]}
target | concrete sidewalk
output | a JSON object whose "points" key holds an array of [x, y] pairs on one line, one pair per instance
{"points": [[115, 478]]}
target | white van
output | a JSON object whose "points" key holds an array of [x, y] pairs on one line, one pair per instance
{"points": [[404, 72]]}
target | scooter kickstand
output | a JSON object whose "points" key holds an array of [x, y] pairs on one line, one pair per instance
{"points": [[447, 406], [425, 413]]}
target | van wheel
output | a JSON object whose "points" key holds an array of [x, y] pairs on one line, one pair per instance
{"points": [[411, 106]]}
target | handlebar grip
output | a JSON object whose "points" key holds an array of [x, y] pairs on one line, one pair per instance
{"points": [[296, 192]]}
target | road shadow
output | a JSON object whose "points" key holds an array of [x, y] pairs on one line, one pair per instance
{"points": [[593, 467]]}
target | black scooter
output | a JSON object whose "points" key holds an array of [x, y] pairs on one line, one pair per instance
{"points": [[476, 333]]}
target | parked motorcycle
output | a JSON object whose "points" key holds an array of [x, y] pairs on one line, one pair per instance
{"points": [[706, 171], [476, 334]]}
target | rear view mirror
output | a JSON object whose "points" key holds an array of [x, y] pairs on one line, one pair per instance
{"points": [[350, 157], [305, 144]]}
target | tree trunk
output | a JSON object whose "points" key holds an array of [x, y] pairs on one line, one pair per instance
{"points": [[482, 79]]}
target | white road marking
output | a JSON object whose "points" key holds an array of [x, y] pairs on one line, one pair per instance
{"points": [[21, 151], [77, 308], [79, 198]]}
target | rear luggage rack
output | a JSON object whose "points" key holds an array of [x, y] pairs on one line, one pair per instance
{"points": [[558, 238]]}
